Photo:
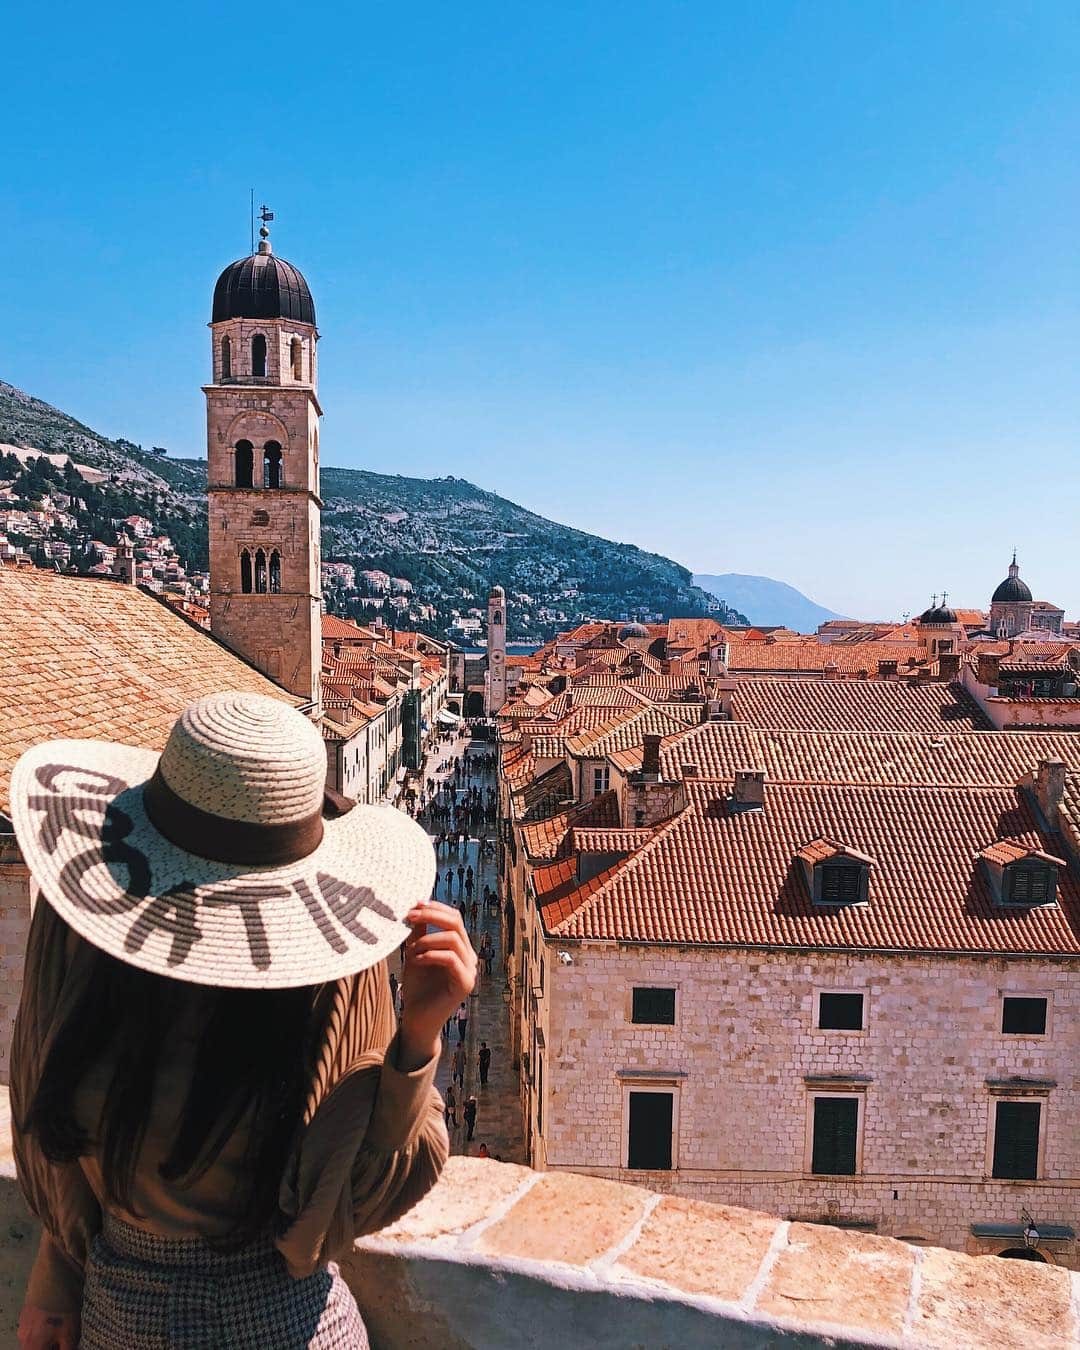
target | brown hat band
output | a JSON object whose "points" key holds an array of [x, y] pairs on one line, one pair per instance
{"points": [[228, 841]]}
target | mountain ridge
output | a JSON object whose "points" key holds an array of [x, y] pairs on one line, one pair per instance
{"points": [[448, 539], [764, 600]]}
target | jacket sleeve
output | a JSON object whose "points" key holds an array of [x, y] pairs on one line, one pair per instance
{"points": [[375, 1142], [57, 1193]]}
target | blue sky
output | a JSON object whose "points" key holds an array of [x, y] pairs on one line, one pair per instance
{"points": [[769, 287]]}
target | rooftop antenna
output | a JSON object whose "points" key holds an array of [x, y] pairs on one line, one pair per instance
{"points": [[252, 219]]}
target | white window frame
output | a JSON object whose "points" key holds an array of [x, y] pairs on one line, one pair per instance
{"points": [[848, 1093], [1042, 1099], [603, 771], [656, 1026], [1025, 1035], [671, 1087], [819, 1030]]}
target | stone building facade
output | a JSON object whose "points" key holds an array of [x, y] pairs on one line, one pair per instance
{"points": [[262, 414], [745, 1059]]}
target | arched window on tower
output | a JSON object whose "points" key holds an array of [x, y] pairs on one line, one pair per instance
{"points": [[260, 572], [245, 572], [271, 465], [258, 355], [245, 464], [226, 359], [497, 616], [296, 356], [275, 573]]}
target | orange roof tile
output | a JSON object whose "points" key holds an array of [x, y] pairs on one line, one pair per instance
{"points": [[102, 660], [720, 876]]}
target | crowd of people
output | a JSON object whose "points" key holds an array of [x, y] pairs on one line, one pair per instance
{"points": [[456, 805]]}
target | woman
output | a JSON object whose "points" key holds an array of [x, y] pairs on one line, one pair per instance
{"points": [[209, 1099]]}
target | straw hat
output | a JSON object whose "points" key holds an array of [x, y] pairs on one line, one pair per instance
{"points": [[214, 862]]}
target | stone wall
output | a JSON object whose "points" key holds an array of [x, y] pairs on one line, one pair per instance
{"points": [[14, 927], [500, 1258], [744, 1061]]}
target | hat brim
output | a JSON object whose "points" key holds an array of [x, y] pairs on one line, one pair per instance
{"points": [[78, 813]]}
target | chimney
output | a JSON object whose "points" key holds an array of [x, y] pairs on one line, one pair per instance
{"points": [[690, 771], [635, 660], [831, 670], [1050, 788], [569, 698], [650, 758], [949, 665], [886, 670], [986, 671], [749, 787]]}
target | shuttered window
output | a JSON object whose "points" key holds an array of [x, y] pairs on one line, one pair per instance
{"points": [[1030, 884], [840, 1012], [1016, 1140], [651, 1118], [654, 1006], [841, 883], [836, 1131], [1023, 1016]]}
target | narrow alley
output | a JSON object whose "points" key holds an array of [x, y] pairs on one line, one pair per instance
{"points": [[498, 1115]]}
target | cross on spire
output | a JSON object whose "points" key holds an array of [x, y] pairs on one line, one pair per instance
{"points": [[266, 216]]}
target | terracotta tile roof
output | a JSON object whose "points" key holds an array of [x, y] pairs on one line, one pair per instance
{"points": [[561, 908], [333, 627], [1007, 851], [856, 705], [550, 838], [821, 850], [594, 839], [714, 875], [979, 758], [102, 660], [693, 633], [543, 795], [800, 657], [630, 729]]}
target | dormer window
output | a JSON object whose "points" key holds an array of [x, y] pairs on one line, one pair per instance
{"points": [[835, 873], [841, 883], [1030, 883], [1021, 875]]}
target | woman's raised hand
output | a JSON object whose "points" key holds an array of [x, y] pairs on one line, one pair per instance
{"points": [[440, 971]]}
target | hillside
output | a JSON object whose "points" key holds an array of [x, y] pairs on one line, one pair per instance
{"points": [[447, 538], [766, 601]]}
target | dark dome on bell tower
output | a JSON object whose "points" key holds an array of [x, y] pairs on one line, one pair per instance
{"points": [[262, 286]]}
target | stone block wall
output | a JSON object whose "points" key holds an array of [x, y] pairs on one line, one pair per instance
{"points": [[15, 908], [744, 1061]]}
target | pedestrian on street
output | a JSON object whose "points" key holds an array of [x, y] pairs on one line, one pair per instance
{"points": [[460, 877], [462, 1022], [449, 881], [474, 912], [470, 1115], [457, 1066], [482, 1151], [468, 888], [451, 1107], [483, 1062]]}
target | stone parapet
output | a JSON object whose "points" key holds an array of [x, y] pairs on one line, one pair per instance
{"points": [[498, 1257], [501, 1257]]}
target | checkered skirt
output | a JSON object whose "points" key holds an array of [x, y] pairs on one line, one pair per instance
{"points": [[145, 1292]]}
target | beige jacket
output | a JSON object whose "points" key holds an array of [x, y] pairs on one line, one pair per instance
{"points": [[373, 1141]]}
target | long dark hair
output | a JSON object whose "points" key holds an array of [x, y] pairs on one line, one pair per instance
{"points": [[253, 1059]]}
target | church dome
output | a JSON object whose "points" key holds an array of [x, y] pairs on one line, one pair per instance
{"points": [[1012, 588], [938, 614], [633, 630], [262, 286]]}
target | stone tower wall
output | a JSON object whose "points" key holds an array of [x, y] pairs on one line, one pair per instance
{"points": [[496, 653], [277, 632]]}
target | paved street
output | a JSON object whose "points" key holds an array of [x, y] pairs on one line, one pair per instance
{"points": [[498, 1121]]}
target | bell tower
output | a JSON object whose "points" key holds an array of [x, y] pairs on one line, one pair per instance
{"points": [[262, 441], [496, 651]]}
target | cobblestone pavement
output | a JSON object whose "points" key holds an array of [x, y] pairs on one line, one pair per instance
{"points": [[498, 1117]]}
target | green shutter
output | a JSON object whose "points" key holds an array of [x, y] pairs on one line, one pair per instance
{"points": [[1016, 1141], [836, 1127]]}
